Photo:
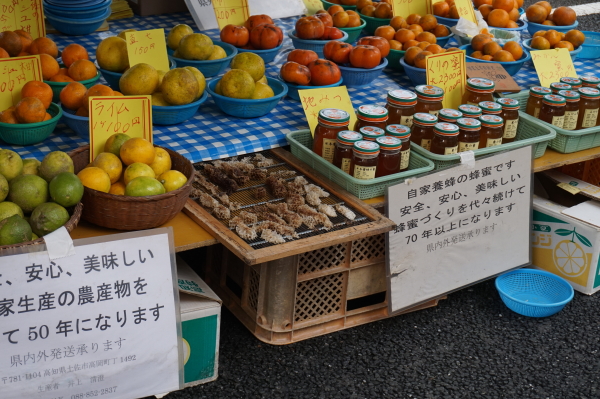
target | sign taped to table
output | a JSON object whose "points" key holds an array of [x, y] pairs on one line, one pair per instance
{"points": [[458, 226], [103, 322]]}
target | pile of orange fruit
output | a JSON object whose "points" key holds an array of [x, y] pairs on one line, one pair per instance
{"points": [[339, 17], [74, 96], [415, 30], [381, 9], [500, 13], [488, 50], [541, 13], [544, 40], [36, 97]]}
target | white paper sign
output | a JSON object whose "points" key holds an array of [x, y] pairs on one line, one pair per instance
{"points": [[102, 323], [458, 226]]}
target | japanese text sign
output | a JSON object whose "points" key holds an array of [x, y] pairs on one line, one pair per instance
{"points": [[404, 8], [131, 115], [457, 226], [448, 71], [234, 12], [314, 100], [26, 15], [100, 323], [14, 73], [551, 65], [493, 71], [148, 46], [465, 10], [313, 6]]}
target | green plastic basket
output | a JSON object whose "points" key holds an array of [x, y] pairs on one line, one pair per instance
{"points": [[354, 32], [394, 59], [566, 141], [528, 133], [30, 133], [58, 86], [327, 4], [374, 23], [301, 143]]}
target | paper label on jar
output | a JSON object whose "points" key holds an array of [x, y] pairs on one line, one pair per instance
{"points": [[493, 142], [406, 120], [364, 172], [346, 165], [536, 112], [570, 121], [589, 118], [434, 112], [404, 159], [559, 121], [426, 144], [510, 128], [450, 150], [328, 149], [462, 146]]}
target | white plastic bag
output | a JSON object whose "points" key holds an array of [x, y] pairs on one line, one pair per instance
{"points": [[465, 30]]}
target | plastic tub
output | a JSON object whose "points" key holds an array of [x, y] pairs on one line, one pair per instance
{"points": [[314, 45], [248, 108], [354, 33], [534, 293], [175, 114], [574, 53], [417, 76], [591, 45], [210, 68], [75, 27], [357, 77], [30, 133], [78, 12], [79, 124], [327, 4], [293, 88], [58, 86], [374, 23], [112, 78], [512, 67], [394, 59], [532, 27], [446, 21], [266, 55]]}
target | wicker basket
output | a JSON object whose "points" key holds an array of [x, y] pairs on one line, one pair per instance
{"points": [[133, 213], [75, 213]]}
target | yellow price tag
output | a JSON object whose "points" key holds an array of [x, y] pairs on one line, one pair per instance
{"points": [[313, 6], [234, 12], [551, 65], [404, 8], [465, 9], [149, 47], [14, 73], [27, 15], [314, 100], [567, 187], [449, 72], [131, 115]]}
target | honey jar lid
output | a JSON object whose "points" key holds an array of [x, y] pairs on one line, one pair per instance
{"points": [[481, 85], [431, 93], [554, 99], [469, 110], [569, 95], [371, 132], [348, 137], [426, 119], [446, 129], [449, 114], [490, 106], [508, 103], [572, 81], [589, 80], [557, 86], [372, 113], [468, 124], [539, 91], [402, 97], [389, 143], [334, 116], [365, 147], [400, 131], [491, 120], [588, 92]]}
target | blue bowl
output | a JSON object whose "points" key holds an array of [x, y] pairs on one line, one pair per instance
{"points": [[591, 45], [522, 25], [417, 76], [267, 55], [534, 293], [77, 13], [574, 53], [357, 77], [248, 108], [446, 21], [532, 27], [210, 68], [112, 78], [442, 41], [314, 45], [75, 27], [79, 124], [293, 88], [174, 114], [511, 67], [73, 4]]}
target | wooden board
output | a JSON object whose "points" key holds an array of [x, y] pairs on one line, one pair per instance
{"points": [[378, 223], [553, 159]]}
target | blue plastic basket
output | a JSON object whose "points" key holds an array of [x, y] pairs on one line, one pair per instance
{"points": [[175, 114], [79, 124], [247, 108], [327, 4], [210, 68], [354, 32], [314, 45], [591, 45], [532, 27], [30, 133], [534, 293], [416, 75], [574, 53], [522, 25], [266, 55], [442, 41], [357, 77], [293, 88], [95, 11], [511, 67], [76, 27], [446, 21], [112, 78]]}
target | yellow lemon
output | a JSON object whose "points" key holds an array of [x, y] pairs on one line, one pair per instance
{"points": [[137, 149], [172, 180], [95, 178], [162, 161], [137, 169], [111, 164]]}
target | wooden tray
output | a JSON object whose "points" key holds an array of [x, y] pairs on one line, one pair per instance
{"points": [[377, 223]]}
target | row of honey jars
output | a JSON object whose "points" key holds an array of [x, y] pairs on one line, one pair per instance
{"points": [[403, 104]]}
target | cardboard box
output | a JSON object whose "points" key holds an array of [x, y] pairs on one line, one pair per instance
{"points": [[156, 7]]}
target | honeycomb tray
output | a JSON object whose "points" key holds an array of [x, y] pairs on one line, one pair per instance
{"points": [[368, 221]]}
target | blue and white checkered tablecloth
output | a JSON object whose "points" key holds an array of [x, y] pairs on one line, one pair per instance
{"points": [[211, 134]]}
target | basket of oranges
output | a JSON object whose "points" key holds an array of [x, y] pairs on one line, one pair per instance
{"points": [[483, 49]]}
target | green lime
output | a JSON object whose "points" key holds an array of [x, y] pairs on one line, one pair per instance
{"points": [[28, 191], [143, 186], [14, 230], [54, 163], [66, 189], [48, 217], [7, 209]]}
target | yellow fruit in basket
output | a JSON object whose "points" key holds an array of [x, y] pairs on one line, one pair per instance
{"points": [[137, 149], [262, 90], [237, 84], [176, 34], [137, 169], [95, 178], [140, 79], [218, 88], [161, 75], [111, 54], [158, 99], [251, 63], [217, 53], [143, 186], [110, 163], [263, 80], [179, 86], [122, 33], [117, 188], [199, 78], [172, 180], [113, 143], [162, 161], [195, 46]]}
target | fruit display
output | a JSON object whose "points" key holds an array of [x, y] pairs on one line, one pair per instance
{"points": [[111, 54], [317, 28], [19, 43], [381, 9], [36, 97], [415, 30], [74, 96], [34, 195], [131, 167], [499, 13], [367, 54], [541, 13], [544, 40], [488, 50], [246, 79], [305, 68], [345, 2], [193, 46], [338, 17], [258, 33]]}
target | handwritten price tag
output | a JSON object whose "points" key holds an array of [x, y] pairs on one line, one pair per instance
{"points": [[26, 15], [404, 8], [465, 9], [551, 65], [14, 73], [314, 100], [131, 115], [149, 47], [313, 6], [448, 71], [233, 12]]}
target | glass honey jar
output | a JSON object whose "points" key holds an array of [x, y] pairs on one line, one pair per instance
{"points": [[401, 107], [470, 111], [422, 129], [343, 149], [403, 133], [589, 81], [445, 139], [468, 134], [510, 114], [429, 99], [370, 133], [491, 131], [555, 87], [449, 115], [331, 121], [589, 103], [364, 161], [575, 83], [490, 108], [478, 90], [553, 110], [371, 115], [571, 108], [389, 156], [534, 102]]}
